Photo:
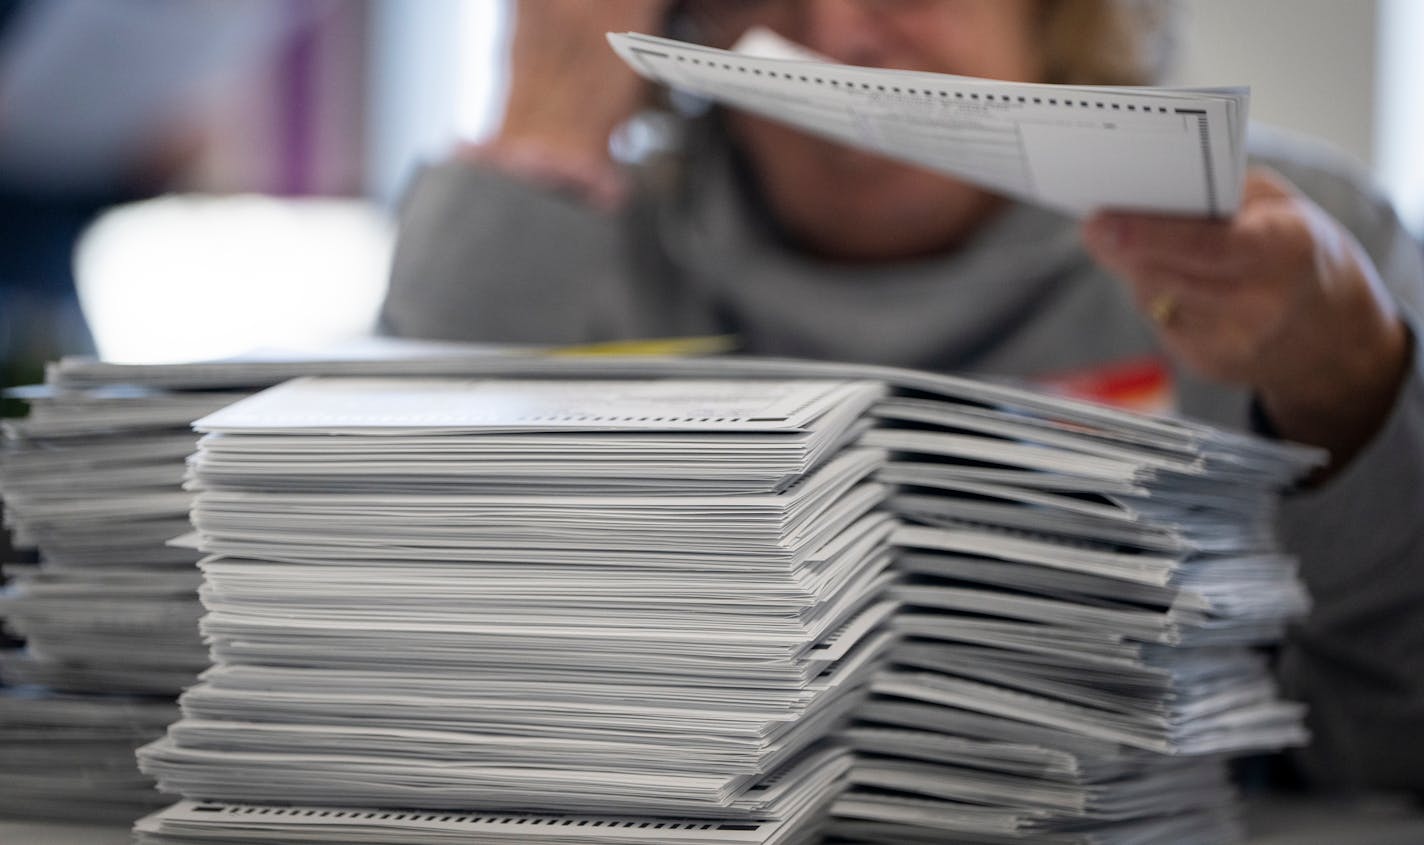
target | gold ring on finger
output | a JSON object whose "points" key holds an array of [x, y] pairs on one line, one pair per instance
{"points": [[1162, 309]]}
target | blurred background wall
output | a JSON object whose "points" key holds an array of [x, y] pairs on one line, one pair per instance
{"points": [[1311, 64], [1351, 73], [216, 176]]}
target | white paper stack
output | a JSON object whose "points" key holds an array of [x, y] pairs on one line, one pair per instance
{"points": [[621, 605], [93, 479], [1081, 604]]}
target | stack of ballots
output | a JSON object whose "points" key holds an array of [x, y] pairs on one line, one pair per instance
{"points": [[92, 477], [109, 615], [588, 611], [1081, 601], [580, 612], [93, 480]]}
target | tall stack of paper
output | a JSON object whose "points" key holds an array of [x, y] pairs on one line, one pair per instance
{"points": [[1081, 601], [93, 479], [625, 607], [1081, 589]]}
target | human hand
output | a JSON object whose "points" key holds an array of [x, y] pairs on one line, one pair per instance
{"points": [[568, 90], [1280, 299]]}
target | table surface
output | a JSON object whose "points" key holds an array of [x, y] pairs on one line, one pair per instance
{"points": [[1273, 821]]}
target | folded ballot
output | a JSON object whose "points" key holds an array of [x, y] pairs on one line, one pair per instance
{"points": [[1071, 148]]}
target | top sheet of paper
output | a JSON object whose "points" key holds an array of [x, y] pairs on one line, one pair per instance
{"points": [[1072, 148], [414, 406]]}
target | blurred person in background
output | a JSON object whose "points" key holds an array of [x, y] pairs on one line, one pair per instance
{"points": [[1296, 318]]}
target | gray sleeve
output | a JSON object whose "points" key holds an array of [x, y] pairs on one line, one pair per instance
{"points": [[1359, 657], [482, 256]]}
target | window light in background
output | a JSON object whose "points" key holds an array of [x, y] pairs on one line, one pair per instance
{"points": [[437, 74], [1399, 111], [481, 87], [185, 278], [192, 277]]}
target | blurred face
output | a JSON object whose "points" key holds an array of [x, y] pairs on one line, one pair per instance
{"points": [[856, 206]]}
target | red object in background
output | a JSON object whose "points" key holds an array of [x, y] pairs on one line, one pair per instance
{"points": [[1139, 384]]}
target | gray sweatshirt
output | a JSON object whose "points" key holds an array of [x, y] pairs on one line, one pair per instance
{"points": [[485, 257]]}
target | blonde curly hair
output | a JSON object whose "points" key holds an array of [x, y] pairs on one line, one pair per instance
{"points": [[1108, 42]]}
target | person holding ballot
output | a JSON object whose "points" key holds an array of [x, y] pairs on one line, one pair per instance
{"points": [[1298, 316]]}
